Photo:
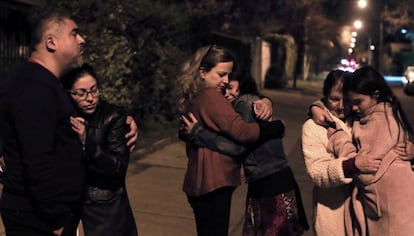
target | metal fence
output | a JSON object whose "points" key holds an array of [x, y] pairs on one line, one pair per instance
{"points": [[14, 37]]}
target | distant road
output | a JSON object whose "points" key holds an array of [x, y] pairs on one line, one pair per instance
{"points": [[407, 102]]}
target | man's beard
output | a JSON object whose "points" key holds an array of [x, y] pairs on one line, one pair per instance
{"points": [[75, 63], [78, 62]]}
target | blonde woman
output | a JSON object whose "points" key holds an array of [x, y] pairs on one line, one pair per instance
{"points": [[211, 177]]}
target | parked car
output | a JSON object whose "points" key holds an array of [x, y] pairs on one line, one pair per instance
{"points": [[408, 80]]}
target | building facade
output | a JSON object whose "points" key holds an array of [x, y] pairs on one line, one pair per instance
{"points": [[14, 31]]}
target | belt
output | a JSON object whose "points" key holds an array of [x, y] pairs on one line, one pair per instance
{"points": [[97, 194]]}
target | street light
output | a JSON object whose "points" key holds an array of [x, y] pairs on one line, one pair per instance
{"points": [[358, 24], [382, 7], [362, 4]]}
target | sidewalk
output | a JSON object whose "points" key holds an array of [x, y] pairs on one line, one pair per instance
{"points": [[155, 185], [155, 177], [159, 205], [155, 190]]}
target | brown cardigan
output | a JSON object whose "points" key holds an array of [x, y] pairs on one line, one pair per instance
{"points": [[208, 170]]}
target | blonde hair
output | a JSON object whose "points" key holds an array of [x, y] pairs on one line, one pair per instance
{"points": [[189, 81]]}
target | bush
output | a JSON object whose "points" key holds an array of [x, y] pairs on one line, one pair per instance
{"points": [[137, 48]]}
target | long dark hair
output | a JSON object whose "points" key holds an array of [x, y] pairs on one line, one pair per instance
{"points": [[70, 78], [247, 84], [368, 81]]}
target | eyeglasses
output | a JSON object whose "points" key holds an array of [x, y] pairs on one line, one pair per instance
{"points": [[83, 93]]}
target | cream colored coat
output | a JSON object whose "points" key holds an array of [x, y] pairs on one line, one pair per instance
{"points": [[331, 188]]}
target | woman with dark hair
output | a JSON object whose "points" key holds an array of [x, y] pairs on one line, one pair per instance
{"points": [[211, 177], [381, 126], [101, 127], [330, 168], [273, 202]]}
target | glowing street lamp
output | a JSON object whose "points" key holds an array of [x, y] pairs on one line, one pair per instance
{"points": [[362, 4], [358, 24]]}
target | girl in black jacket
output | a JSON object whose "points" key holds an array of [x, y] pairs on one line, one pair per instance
{"points": [[101, 127]]}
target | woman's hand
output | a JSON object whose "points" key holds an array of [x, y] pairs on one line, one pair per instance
{"points": [[332, 131], [79, 126], [321, 116], [263, 109], [187, 124], [366, 163], [405, 150], [58, 232], [132, 135]]}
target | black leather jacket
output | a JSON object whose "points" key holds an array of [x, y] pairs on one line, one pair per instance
{"points": [[106, 151]]}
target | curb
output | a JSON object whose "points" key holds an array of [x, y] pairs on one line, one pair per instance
{"points": [[140, 153]]}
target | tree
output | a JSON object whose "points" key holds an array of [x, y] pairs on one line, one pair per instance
{"points": [[307, 21], [137, 47]]}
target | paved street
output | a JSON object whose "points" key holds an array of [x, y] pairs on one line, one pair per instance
{"points": [[155, 179]]}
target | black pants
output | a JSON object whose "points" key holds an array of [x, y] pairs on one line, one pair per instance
{"points": [[212, 212], [25, 223]]}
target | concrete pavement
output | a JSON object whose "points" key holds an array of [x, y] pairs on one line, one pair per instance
{"points": [[154, 185], [159, 204], [160, 207]]}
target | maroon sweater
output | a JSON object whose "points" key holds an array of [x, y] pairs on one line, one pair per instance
{"points": [[208, 170]]}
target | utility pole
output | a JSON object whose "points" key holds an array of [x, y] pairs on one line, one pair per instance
{"points": [[384, 14]]}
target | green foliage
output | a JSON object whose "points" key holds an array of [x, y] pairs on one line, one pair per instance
{"points": [[137, 47]]}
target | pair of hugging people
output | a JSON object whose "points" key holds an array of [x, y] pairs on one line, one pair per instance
{"points": [[361, 165], [273, 203]]}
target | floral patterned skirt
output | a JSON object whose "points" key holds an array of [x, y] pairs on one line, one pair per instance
{"points": [[272, 216]]}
